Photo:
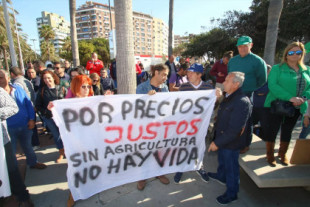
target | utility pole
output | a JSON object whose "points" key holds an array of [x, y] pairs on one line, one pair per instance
{"points": [[21, 61], [34, 47], [111, 26], [170, 38], [9, 34]]}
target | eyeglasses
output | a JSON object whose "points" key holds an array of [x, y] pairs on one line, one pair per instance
{"points": [[95, 80], [86, 86], [298, 52]]}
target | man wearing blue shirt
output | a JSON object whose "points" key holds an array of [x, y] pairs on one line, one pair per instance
{"points": [[21, 124]]}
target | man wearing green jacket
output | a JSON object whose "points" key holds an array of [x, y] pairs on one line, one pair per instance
{"points": [[255, 71]]}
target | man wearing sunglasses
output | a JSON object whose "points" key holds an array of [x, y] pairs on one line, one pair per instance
{"points": [[64, 78], [255, 70]]}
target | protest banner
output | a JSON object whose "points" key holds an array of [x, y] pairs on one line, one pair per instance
{"points": [[114, 140], [5, 189]]}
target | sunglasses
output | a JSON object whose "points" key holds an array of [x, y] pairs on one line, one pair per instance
{"points": [[95, 80], [298, 52], [86, 86]]}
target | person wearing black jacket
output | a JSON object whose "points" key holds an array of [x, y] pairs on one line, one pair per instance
{"points": [[171, 66], [49, 92], [229, 139]]}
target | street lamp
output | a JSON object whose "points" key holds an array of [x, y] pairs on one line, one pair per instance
{"points": [[34, 47]]}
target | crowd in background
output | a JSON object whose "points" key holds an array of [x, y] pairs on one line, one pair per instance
{"points": [[240, 82]]}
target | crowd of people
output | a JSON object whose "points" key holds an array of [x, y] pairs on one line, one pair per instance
{"points": [[245, 99]]}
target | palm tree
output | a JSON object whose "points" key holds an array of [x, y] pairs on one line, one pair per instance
{"points": [[9, 32], [74, 42], [170, 27], [48, 34], [126, 72], [274, 13]]}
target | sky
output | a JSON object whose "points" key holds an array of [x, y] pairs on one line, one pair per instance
{"points": [[189, 15]]}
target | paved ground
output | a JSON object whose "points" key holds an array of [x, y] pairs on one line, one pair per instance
{"points": [[48, 188]]}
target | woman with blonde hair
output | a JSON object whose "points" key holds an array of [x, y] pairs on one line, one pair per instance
{"points": [[289, 84], [97, 87]]}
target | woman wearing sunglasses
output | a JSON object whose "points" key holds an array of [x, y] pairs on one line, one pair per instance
{"points": [[287, 81], [81, 87], [97, 87]]}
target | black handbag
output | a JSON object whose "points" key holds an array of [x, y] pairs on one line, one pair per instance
{"points": [[283, 108]]}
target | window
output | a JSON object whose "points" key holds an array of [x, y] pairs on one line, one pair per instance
{"points": [[85, 29], [85, 18]]}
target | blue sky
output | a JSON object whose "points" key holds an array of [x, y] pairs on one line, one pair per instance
{"points": [[189, 16]]}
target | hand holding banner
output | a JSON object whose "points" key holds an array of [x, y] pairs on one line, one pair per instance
{"points": [[114, 140]]}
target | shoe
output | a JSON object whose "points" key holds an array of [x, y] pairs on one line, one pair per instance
{"points": [[70, 201], [27, 203], [244, 150], [141, 184], [177, 177], [224, 200], [203, 175], [163, 179], [39, 166], [35, 148], [213, 176]]}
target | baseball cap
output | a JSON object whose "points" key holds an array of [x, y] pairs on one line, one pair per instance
{"points": [[243, 40], [196, 68], [307, 47]]}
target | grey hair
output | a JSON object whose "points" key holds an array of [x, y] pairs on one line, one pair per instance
{"points": [[238, 77], [6, 73]]}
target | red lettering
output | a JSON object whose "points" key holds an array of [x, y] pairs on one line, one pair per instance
{"points": [[130, 132], [167, 124], [148, 130], [179, 126], [114, 128], [192, 123]]}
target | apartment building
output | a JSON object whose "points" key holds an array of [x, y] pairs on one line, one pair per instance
{"points": [[58, 23], [150, 34], [93, 20]]}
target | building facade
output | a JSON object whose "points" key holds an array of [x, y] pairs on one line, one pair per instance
{"points": [[150, 34], [60, 26]]}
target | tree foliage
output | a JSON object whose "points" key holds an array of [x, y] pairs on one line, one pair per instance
{"points": [[213, 43], [86, 48], [293, 26], [28, 53]]}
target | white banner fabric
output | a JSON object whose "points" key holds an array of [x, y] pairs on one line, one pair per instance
{"points": [[118, 139], [5, 189]]}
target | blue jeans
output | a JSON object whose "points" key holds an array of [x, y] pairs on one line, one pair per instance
{"points": [[55, 132], [18, 187], [304, 132], [35, 137], [24, 135], [228, 170]]}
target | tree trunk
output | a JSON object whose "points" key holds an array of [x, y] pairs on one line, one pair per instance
{"points": [[5, 59], [9, 33], [48, 52], [274, 13], [126, 71], [170, 28], [74, 42]]}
